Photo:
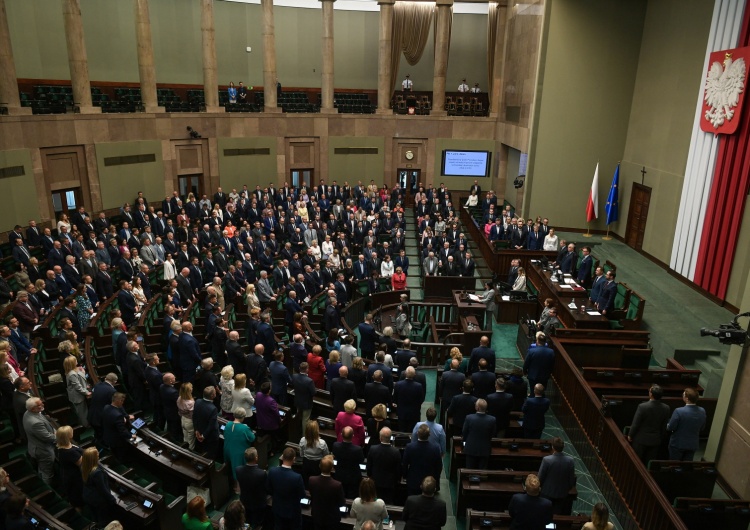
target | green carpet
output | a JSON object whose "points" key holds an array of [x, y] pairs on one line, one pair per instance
{"points": [[504, 340]]}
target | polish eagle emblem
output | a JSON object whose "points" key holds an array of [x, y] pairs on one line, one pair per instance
{"points": [[725, 84]]}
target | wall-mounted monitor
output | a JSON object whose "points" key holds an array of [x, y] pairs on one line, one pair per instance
{"points": [[466, 163]]}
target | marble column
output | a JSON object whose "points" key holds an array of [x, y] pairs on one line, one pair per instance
{"points": [[208, 34], [501, 42], [441, 56], [385, 43], [77, 59], [269, 58], [326, 82], [146, 57], [9, 97]]}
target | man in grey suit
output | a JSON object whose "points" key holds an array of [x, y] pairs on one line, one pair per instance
{"points": [[558, 476], [430, 265], [649, 426], [264, 290], [41, 436], [478, 431], [685, 425], [488, 298]]}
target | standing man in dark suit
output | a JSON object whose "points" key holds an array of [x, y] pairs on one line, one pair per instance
{"points": [[376, 392], [168, 395], [606, 301], [483, 351], [252, 480], [597, 284], [126, 301], [529, 511], [101, 396], [451, 384], [190, 352], [368, 338], [484, 380], [342, 390], [569, 260], [558, 476], [155, 379], [235, 353], [584, 270], [477, 434], [533, 410], [115, 432], [384, 466], [500, 405], [421, 459], [408, 396], [424, 510], [286, 488], [686, 425], [649, 427], [280, 378], [539, 362], [304, 393], [348, 459], [326, 497], [331, 319], [205, 420], [461, 406]]}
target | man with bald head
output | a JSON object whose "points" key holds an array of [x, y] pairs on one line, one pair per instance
{"points": [[235, 354], [384, 466], [348, 459], [408, 396], [183, 287], [342, 390]]}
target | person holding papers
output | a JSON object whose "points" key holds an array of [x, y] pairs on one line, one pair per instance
{"points": [[520, 283]]}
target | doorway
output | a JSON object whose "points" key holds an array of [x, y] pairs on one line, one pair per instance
{"points": [[66, 201], [640, 199], [408, 179], [302, 178], [190, 184]]}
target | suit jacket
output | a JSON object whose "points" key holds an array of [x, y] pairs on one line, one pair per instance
{"points": [[127, 306], [252, 481], [584, 272], [569, 262], [326, 496], [461, 406], [685, 425], [304, 391], [529, 513], [596, 288], [557, 475], [205, 419], [650, 423], [384, 465], [479, 353], [484, 383], [348, 458], [115, 431], [76, 383], [376, 393], [424, 513], [368, 339], [421, 459], [331, 319], [342, 390], [104, 286], [452, 383], [168, 395], [478, 431], [540, 360], [500, 405], [533, 412], [190, 353], [40, 434], [606, 301], [287, 488], [408, 395]]}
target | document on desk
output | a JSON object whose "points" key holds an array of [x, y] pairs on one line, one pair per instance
{"points": [[572, 305], [566, 286], [506, 298], [473, 297], [570, 281], [594, 313]]}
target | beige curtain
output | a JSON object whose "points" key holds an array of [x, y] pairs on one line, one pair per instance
{"points": [[492, 15], [411, 27]]}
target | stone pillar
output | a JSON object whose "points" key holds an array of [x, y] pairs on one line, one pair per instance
{"points": [[210, 84], [501, 41], [9, 97], [269, 58], [146, 57], [385, 43], [77, 59], [326, 84], [441, 56]]}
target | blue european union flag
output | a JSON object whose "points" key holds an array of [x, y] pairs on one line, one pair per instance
{"points": [[613, 203]]}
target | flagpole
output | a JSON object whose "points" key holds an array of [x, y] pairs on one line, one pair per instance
{"points": [[588, 230], [607, 237]]}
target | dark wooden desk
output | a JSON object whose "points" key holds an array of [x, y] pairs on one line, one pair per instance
{"points": [[571, 318], [494, 490], [471, 327], [127, 493], [440, 288], [467, 307], [501, 520], [510, 312], [527, 457]]}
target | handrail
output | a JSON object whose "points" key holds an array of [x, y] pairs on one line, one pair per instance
{"points": [[635, 489], [101, 313]]}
